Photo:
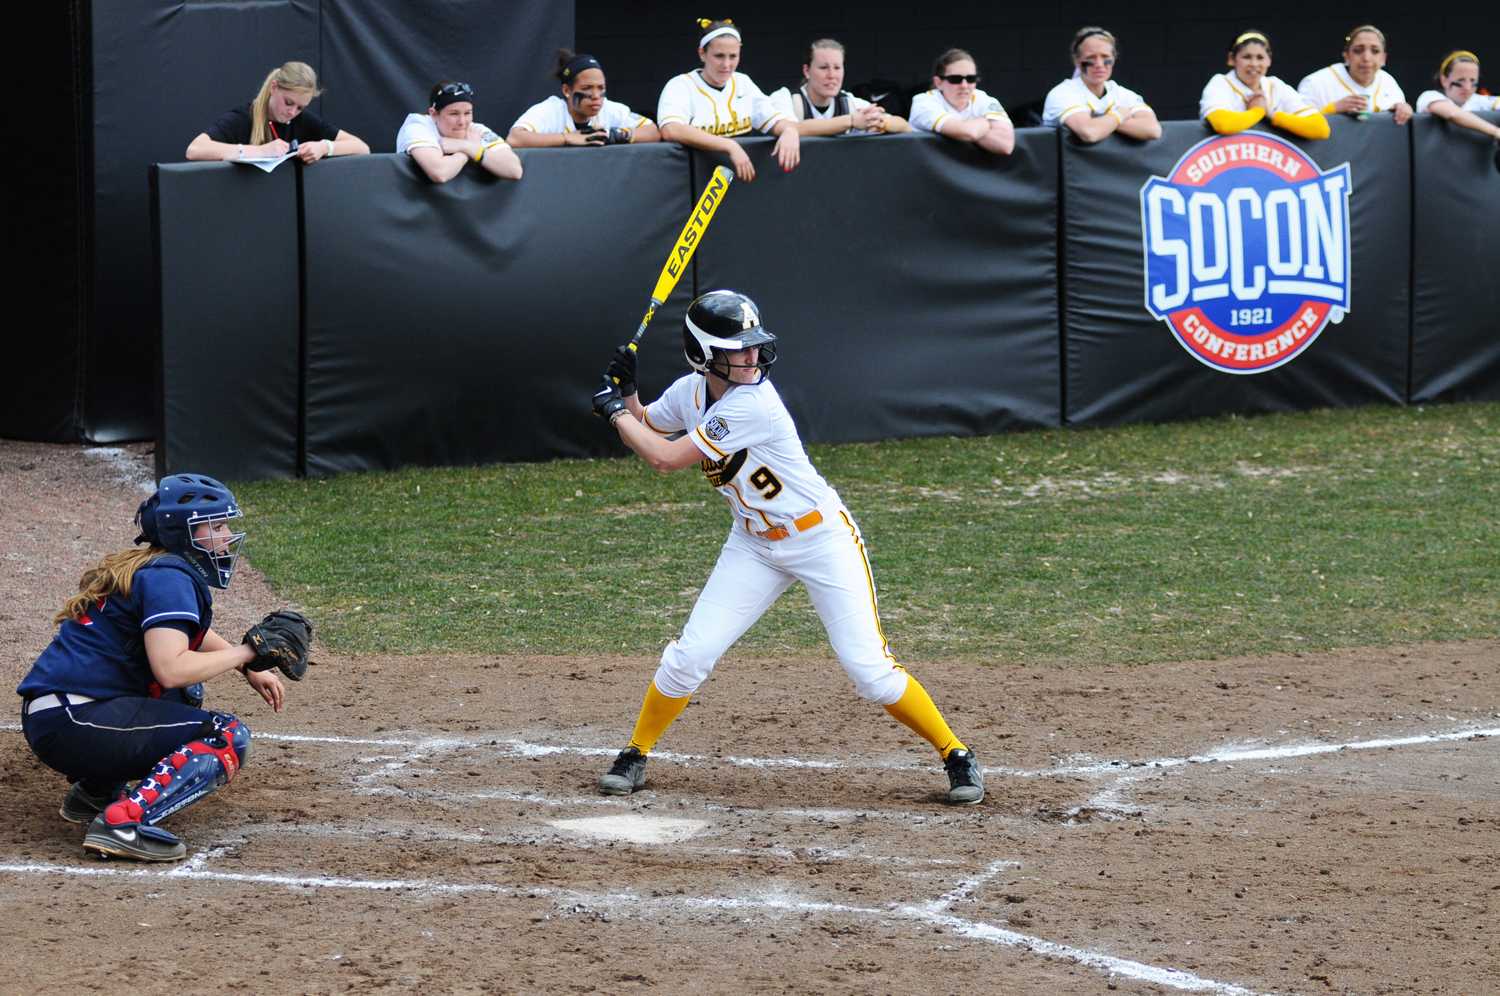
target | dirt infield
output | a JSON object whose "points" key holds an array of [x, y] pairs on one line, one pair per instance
{"points": [[1318, 823]]}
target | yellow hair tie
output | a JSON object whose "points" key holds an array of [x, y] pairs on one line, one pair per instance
{"points": [[1454, 57], [704, 22], [1253, 36]]}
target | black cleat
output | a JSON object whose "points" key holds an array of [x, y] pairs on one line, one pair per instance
{"points": [[78, 806], [965, 779], [136, 841], [627, 774]]}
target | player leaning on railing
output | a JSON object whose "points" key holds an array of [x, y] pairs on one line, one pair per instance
{"points": [[1245, 95]]}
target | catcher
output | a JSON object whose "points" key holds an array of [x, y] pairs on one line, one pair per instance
{"points": [[117, 695]]}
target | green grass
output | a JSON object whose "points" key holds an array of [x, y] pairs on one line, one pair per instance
{"points": [[1204, 539]]}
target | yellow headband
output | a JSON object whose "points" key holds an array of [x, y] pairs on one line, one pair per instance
{"points": [[1454, 57], [1252, 36]]}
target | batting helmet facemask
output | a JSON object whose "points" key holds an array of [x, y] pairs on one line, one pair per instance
{"points": [[724, 321]]}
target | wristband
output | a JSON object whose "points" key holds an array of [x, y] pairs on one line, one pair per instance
{"points": [[329, 143], [479, 156], [617, 415]]}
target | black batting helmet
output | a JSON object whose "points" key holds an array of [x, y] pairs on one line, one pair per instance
{"points": [[724, 321]]}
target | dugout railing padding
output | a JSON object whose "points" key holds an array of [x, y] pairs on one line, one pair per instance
{"points": [[353, 316]]}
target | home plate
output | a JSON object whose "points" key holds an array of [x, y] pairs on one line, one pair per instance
{"points": [[634, 828]]}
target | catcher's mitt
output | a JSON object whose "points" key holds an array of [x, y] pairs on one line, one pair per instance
{"points": [[282, 639]]}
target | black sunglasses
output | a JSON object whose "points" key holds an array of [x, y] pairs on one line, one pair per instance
{"points": [[456, 90], [956, 78]]}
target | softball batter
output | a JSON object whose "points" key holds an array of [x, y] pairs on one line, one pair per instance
{"points": [[1359, 85], [788, 526], [1244, 96], [706, 108]]}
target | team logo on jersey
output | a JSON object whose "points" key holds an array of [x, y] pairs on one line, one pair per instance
{"points": [[721, 472], [716, 429], [1246, 249]]}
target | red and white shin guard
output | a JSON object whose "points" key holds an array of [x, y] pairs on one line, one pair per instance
{"points": [[186, 775]]}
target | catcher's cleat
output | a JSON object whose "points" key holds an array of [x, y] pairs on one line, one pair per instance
{"points": [[965, 779], [79, 806], [136, 841], [627, 774]]}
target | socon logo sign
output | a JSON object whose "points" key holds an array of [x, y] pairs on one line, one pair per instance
{"points": [[1247, 250]]}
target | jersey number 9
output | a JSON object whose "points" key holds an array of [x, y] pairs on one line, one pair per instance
{"points": [[766, 483]]}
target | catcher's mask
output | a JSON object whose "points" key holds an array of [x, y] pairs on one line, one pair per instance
{"points": [[724, 321], [194, 517]]}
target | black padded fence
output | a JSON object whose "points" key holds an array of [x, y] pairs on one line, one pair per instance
{"points": [[465, 323], [1455, 345], [919, 287], [1124, 365], [227, 260], [914, 281]]}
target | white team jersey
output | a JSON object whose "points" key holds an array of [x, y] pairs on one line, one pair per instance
{"points": [[931, 109], [1226, 92], [1332, 84], [733, 110], [751, 451], [552, 117], [1073, 96], [419, 131], [1477, 102], [791, 107]]}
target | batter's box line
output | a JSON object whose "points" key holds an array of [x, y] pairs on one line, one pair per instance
{"points": [[554, 836], [629, 903], [649, 797], [1225, 755], [515, 747]]}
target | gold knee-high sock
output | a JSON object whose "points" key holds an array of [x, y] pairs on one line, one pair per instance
{"points": [[657, 713], [916, 709]]}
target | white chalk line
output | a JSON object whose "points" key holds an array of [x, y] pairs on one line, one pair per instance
{"points": [[1223, 755], [1234, 755], [421, 746], [629, 902], [427, 833], [916, 818]]}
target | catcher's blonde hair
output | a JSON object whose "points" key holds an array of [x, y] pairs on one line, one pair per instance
{"points": [[298, 76], [114, 574]]}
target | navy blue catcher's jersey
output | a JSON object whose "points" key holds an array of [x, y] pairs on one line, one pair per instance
{"points": [[104, 654]]}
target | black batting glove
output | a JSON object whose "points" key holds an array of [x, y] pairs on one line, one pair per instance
{"points": [[607, 400], [622, 370]]}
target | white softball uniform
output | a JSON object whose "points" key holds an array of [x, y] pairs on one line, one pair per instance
{"points": [[552, 117], [1476, 102], [1332, 84], [419, 131], [1227, 92], [791, 107], [1072, 96], [734, 109], [789, 526], [931, 109]]}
